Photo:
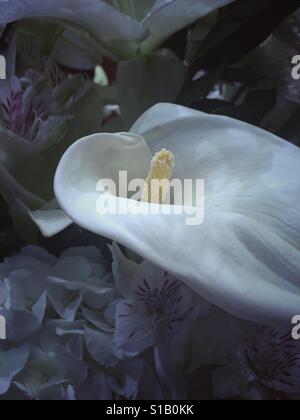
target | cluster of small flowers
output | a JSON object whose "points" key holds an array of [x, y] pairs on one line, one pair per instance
{"points": [[78, 330]]}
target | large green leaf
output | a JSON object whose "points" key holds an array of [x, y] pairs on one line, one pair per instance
{"points": [[145, 81], [72, 51], [136, 9], [169, 16]]}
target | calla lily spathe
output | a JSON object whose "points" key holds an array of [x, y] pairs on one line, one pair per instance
{"points": [[245, 257]]}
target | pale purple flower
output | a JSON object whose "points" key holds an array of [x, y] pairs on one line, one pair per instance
{"points": [[156, 304], [23, 113], [274, 359], [265, 366], [37, 107]]}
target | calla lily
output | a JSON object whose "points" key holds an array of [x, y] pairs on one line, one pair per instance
{"points": [[121, 28], [245, 256]]}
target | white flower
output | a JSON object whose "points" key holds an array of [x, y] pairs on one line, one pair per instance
{"points": [[245, 257]]}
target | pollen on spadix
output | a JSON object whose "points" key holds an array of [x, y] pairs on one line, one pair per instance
{"points": [[157, 182]]}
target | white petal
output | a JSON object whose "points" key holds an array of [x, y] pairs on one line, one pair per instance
{"points": [[50, 219], [245, 257]]}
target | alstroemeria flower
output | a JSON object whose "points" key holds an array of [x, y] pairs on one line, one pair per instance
{"points": [[35, 111], [26, 118], [274, 359], [268, 362], [40, 115], [245, 256], [154, 303], [121, 28]]}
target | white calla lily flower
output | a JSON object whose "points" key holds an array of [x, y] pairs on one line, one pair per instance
{"points": [[245, 256]]}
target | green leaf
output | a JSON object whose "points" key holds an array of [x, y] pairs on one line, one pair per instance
{"points": [[23, 224], [71, 50], [88, 119], [137, 9], [145, 81], [13, 149], [169, 16], [11, 191]]}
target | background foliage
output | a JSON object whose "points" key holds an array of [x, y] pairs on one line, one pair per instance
{"points": [[79, 77]]}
